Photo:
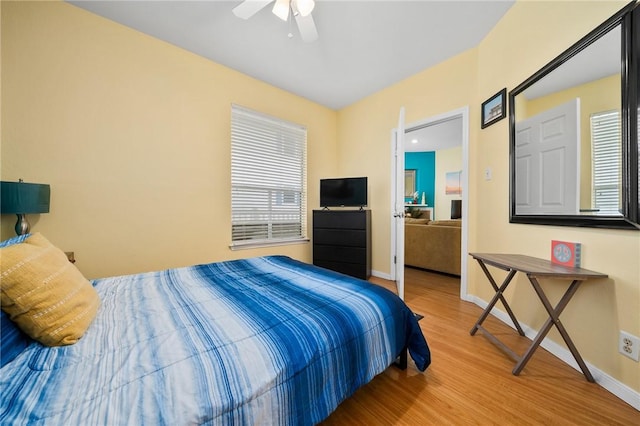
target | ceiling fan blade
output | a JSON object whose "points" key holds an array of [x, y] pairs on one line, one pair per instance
{"points": [[307, 28], [248, 8]]}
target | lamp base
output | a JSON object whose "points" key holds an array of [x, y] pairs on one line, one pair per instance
{"points": [[22, 225]]}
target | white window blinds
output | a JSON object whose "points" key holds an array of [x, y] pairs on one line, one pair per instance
{"points": [[268, 179], [606, 162]]}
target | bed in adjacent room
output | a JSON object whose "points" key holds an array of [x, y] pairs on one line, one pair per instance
{"points": [[267, 340]]}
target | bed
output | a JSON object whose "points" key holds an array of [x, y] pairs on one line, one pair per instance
{"points": [[267, 340]]}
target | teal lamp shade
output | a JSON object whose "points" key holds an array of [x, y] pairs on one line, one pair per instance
{"points": [[23, 198]]}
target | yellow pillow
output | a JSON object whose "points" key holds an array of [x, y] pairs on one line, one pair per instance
{"points": [[45, 294]]}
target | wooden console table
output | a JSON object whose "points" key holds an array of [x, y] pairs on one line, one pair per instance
{"points": [[534, 268]]}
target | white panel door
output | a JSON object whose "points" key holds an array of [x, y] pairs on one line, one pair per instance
{"points": [[398, 210], [548, 161]]}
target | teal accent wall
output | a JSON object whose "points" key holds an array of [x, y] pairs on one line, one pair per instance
{"points": [[425, 165]]}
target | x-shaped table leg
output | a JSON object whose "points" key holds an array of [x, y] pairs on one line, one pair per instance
{"points": [[554, 319], [496, 297]]}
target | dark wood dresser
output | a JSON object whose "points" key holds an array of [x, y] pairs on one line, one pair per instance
{"points": [[342, 241]]}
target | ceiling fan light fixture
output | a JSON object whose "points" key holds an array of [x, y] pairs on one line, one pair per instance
{"points": [[281, 9], [305, 7]]}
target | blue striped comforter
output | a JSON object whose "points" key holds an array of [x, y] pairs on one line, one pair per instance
{"points": [[266, 340]]}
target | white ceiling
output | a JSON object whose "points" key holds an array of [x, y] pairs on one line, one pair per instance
{"points": [[434, 136], [363, 46]]}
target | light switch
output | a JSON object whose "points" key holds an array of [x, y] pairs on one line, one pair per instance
{"points": [[487, 173]]}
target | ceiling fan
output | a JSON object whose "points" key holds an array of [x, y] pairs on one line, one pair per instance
{"points": [[299, 9]]}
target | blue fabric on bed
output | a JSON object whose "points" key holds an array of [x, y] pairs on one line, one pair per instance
{"points": [[14, 240], [258, 341], [12, 340]]}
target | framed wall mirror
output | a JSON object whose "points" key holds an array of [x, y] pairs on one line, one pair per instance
{"points": [[409, 183], [574, 132]]}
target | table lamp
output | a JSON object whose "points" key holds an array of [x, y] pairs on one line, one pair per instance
{"points": [[23, 198]]}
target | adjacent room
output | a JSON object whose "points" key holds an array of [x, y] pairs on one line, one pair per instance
{"points": [[297, 212]]}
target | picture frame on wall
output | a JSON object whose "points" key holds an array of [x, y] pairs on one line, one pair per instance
{"points": [[494, 109], [453, 184], [409, 183]]}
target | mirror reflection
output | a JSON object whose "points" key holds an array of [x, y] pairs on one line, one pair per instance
{"points": [[567, 153]]}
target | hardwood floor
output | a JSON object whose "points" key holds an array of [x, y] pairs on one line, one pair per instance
{"points": [[469, 381]]}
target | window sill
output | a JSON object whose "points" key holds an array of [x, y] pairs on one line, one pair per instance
{"points": [[260, 244]]}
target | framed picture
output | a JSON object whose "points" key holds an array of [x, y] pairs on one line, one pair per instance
{"points": [[453, 185], [409, 183], [494, 109]]}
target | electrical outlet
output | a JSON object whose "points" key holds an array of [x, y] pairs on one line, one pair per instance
{"points": [[629, 345]]}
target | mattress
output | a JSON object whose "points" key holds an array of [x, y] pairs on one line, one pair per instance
{"points": [[266, 340]]}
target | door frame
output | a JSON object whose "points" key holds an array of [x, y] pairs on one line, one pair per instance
{"points": [[463, 113]]}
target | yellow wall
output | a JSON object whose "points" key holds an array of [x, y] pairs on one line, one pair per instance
{"points": [[364, 132], [601, 307], [133, 135], [601, 95], [530, 35], [447, 160]]}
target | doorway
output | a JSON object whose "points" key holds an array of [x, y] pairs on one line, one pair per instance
{"points": [[444, 130]]}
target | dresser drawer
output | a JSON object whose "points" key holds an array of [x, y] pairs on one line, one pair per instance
{"points": [[340, 254], [344, 237], [340, 219], [353, 269]]}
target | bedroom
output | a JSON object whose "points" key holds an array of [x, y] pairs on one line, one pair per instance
{"points": [[141, 157]]}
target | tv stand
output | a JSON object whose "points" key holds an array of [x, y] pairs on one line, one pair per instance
{"points": [[342, 241]]}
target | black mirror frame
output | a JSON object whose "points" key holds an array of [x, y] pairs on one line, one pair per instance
{"points": [[629, 19]]}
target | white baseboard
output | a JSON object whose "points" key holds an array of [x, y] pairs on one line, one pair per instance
{"points": [[381, 275], [619, 389]]}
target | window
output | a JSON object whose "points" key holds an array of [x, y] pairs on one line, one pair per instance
{"points": [[606, 161], [268, 179]]}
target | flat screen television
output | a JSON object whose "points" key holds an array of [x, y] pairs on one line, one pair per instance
{"points": [[343, 192]]}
